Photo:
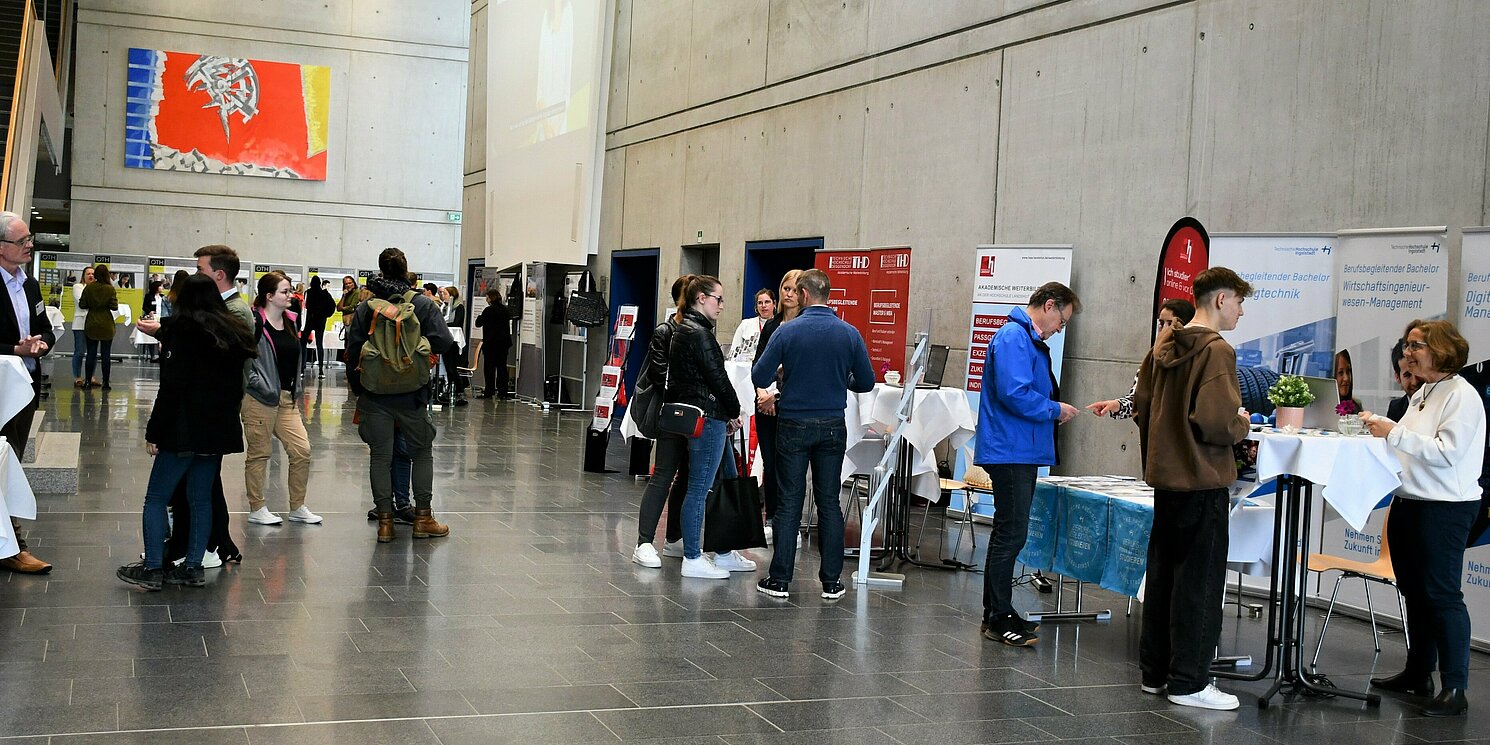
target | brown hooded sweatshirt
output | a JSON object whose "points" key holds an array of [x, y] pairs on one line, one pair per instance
{"points": [[1186, 407]]}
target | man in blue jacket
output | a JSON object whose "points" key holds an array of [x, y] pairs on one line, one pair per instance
{"points": [[1017, 415], [821, 359]]}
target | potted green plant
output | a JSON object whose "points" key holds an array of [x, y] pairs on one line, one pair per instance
{"points": [[1290, 394]]}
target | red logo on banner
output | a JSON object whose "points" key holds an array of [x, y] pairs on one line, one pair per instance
{"points": [[985, 266]]}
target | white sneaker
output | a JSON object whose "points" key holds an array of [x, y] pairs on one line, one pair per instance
{"points": [[262, 516], [211, 560], [673, 550], [769, 535], [1209, 697], [302, 514], [646, 555], [1154, 690], [702, 568], [734, 561]]}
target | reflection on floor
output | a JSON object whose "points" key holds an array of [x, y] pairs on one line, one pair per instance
{"points": [[529, 624]]}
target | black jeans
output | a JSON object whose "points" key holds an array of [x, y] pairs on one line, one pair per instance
{"points": [[1427, 540], [1183, 592], [96, 350], [377, 426], [454, 358], [765, 433], [818, 443], [669, 485], [1013, 490], [494, 369]]}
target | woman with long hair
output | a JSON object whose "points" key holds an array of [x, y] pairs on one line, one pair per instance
{"points": [[696, 376], [100, 299], [269, 409], [788, 306], [79, 338], [455, 357], [495, 323], [193, 424]]}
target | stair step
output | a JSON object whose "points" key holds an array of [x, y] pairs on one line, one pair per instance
{"points": [[55, 469]]}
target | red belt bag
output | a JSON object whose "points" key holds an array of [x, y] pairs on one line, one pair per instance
{"points": [[685, 420]]}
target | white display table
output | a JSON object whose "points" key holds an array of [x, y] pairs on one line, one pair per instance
{"points": [[940, 414], [16, 499]]}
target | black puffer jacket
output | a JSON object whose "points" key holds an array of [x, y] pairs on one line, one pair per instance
{"points": [[696, 373], [658, 351]]}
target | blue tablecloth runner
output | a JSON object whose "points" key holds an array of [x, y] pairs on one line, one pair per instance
{"points": [[1089, 536]]}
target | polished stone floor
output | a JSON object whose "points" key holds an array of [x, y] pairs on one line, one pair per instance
{"points": [[529, 624]]}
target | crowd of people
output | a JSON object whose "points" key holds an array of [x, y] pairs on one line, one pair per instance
{"points": [[231, 374]]}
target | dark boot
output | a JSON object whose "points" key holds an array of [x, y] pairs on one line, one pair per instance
{"points": [[426, 527], [385, 527], [1406, 682], [1450, 703]]}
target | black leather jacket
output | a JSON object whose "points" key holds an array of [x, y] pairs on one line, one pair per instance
{"points": [[696, 369]]}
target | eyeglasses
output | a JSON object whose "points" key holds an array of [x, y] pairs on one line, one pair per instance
{"points": [[1065, 319], [720, 298], [22, 241], [1413, 346]]}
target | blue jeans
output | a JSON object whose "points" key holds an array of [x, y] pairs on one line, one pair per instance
{"points": [[79, 347], [402, 470], [704, 453], [800, 443], [200, 471]]}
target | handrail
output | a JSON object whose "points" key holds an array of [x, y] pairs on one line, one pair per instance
{"points": [[879, 478]]}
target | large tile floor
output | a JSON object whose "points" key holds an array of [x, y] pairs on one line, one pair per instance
{"points": [[529, 624]]}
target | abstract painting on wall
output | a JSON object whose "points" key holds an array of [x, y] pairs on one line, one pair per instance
{"points": [[206, 114]]}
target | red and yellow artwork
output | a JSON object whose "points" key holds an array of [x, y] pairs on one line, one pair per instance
{"points": [[209, 114]]}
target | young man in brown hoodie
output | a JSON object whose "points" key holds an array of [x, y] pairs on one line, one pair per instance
{"points": [[1189, 413]]}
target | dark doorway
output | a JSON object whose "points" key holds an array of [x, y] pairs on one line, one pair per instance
{"points": [[633, 281], [766, 262], [701, 260]]}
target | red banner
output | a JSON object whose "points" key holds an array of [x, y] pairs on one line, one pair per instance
{"points": [[1186, 252], [889, 310], [849, 272]]}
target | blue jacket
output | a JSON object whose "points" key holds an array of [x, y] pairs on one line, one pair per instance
{"points": [[822, 358], [1017, 412]]}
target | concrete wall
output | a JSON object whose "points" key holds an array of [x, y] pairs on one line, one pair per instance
{"points": [[473, 182], [1091, 122], [395, 147]]}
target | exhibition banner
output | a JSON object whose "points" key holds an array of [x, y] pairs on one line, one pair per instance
{"points": [[1289, 321], [1474, 322], [1184, 254], [56, 273], [849, 274], [334, 275], [128, 275], [889, 310], [1004, 278], [1384, 279]]}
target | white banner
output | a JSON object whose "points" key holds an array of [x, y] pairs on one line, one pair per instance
{"points": [[1474, 322], [1384, 279], [1005, 276], [1289, 326]]}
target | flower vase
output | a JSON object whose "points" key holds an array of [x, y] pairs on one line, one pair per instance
{"points": [[1290, 416]]}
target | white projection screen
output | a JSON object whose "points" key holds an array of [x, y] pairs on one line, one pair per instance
{"points": [[545, 82]]}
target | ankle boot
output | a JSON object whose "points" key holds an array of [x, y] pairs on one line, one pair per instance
{"points": [[1418, 684], [426, 527], [385, 527], [1450, 703]]}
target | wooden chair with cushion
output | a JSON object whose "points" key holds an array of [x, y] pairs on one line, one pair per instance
{"points": [[1379, 571]]}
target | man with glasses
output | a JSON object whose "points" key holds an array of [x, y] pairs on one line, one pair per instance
{"points": [[25, 333], [1017, 415], [1173, 314]]}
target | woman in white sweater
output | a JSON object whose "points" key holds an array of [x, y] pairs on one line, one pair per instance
{"points": [[1441, 445]]}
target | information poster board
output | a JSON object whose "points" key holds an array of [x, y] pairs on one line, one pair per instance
{"points": [[56, 273], [164, 268], [870, 290], [1473, 320], [334, 276], [1289, 326], [128, 274]]}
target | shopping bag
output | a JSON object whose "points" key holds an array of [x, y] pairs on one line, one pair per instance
{"points": [[732, 517]]}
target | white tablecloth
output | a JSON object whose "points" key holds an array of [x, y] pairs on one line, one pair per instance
{"points": [[15, 387], [939, 414], [18, 500], [1355, 472]]}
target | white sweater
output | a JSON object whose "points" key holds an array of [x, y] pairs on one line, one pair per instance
{"points": [[1441, 447]]}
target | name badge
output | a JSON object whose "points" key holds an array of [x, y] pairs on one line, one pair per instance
{"points": [[39, 309]]}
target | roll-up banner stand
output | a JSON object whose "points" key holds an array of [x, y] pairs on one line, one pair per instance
{"points": [[56, 273], [1288, 327], [1384, 279], [1005, 278], [870, 291], [1474, 322]]}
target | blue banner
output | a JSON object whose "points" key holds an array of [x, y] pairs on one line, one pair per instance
{"points": [[1039, 548]]}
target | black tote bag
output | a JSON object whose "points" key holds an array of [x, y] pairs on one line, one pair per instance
{"points": [[732, 517]]}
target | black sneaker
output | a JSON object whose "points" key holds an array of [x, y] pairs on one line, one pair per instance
{"points": [[372, 514], [1029, 626], [137, 574], [185, 575], [833, 590], [1010, 631], [773, 587], [404, 516]]}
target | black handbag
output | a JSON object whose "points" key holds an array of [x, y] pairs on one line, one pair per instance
{"points": [[646, 407], [587, 306], [732, 517], [685, 420]]}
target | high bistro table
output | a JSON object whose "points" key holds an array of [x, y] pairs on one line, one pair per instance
{"points": [[1353, 473]]}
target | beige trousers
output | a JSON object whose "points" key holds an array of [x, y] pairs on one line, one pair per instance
{"points": [[260, 425]]}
